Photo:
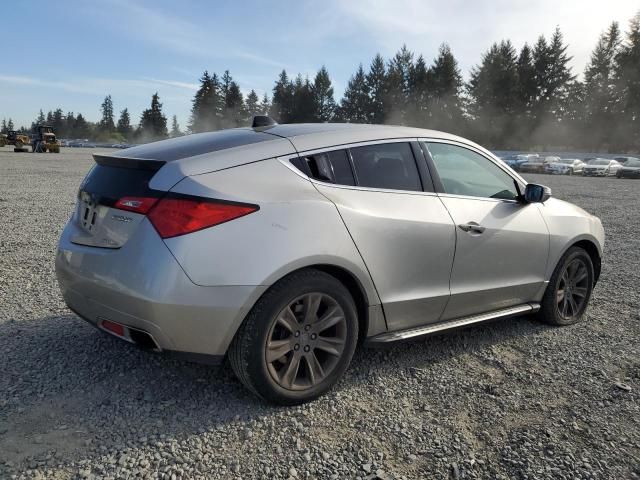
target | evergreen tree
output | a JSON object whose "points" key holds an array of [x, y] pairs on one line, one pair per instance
{"points": [[627, 78], [355, 106], [265, 104], [206, 111], [106, 125], [493, 88], [420, 86], [153, 123], [124, 124], [282, 101], [599, 84], [58, 123], [553, 77], [252, 105], [376, 81], [41, 120], [324, 104], [232, 112], [49, 117], [10, 125], [81, 128], [175, 128], [304, 101], [526, 93], [233, 102], [397, 88], [3, 128], [444, 81], [70, 121]]}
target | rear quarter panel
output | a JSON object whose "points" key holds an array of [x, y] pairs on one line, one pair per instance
{"points": [[295, 227]]}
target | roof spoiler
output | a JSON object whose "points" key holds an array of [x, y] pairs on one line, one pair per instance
{"points": [[262, 121]]}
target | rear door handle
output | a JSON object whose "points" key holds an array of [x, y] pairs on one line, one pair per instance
{"points": [[471, 227]]}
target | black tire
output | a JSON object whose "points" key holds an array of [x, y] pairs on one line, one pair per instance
{"points": [[248, 351], [552, 307]]}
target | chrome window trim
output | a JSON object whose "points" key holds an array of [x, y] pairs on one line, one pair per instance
{"points": [[286, 161], [365, 143]]}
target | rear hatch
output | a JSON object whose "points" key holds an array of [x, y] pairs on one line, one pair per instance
{"points": [[110, 191]]}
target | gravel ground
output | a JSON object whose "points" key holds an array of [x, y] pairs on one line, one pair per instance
{"points": [[510, 399]]}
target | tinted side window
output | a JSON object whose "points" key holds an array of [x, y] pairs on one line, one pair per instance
{"points": [[388, 165], [464, 172], [332, 167]]}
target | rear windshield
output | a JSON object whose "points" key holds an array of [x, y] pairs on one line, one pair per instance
{"points": [[107, 184]]}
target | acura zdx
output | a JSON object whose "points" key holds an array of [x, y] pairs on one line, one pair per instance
{"points": [[284, 247]]}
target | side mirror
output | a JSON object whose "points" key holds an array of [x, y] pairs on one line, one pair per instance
{"points": [[534, 193]]}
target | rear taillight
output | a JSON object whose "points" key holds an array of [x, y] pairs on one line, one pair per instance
{"points": [[176, 215], [136, 204]]}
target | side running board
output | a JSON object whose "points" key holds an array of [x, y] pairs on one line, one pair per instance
{"points": [[449, 324]]}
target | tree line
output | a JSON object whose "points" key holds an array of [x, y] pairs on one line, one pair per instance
{"points": [[152, 125], [514, 99]]}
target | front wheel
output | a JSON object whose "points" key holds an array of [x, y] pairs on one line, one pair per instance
{"points": [[298, 339], [567, 296]]}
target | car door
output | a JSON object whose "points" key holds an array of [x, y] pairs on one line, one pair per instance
{"points": [[398, 223], [502, 244]]}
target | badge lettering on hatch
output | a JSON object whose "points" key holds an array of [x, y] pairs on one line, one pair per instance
{"points": [[121, 218]]}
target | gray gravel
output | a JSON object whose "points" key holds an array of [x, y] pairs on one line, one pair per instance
{"points": [[512, 399]]}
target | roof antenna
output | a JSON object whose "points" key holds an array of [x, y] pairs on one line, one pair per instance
{"points": [[262, 121]]}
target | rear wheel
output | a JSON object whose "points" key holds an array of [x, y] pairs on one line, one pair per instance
{"points": [[567, 296], [298, 339]]}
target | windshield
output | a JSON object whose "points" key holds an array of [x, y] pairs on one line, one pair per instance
{"points": [[599, 162], [568, 161], [633, 163]]}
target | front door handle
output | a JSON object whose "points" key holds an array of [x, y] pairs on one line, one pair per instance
{"points": [[472, 227]]}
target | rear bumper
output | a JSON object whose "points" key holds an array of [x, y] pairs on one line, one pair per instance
{"points": [[142, 286]]}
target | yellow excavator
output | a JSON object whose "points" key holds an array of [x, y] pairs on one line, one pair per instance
{"points": [[20, 141], [44, 140]]}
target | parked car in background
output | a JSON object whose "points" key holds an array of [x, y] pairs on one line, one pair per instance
{"points": [[601, 167], [284, 247], [514, 161], [624, 160], [565, 166], [631, 169], [536, 164]]}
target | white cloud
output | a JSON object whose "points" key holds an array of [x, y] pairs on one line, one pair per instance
{"points": [[169, 31], [471, 26]]}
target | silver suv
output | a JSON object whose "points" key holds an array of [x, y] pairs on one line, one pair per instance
{"points": [[284, 247]]}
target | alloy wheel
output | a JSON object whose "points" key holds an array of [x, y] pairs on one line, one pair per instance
{"points": [[573, 288], [306, 341]]}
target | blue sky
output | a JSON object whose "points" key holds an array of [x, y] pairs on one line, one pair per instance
{"points": [[83, 50]]}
